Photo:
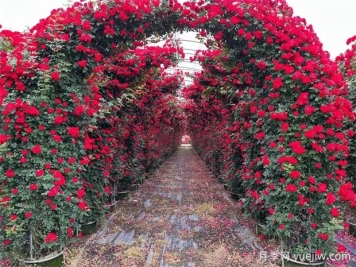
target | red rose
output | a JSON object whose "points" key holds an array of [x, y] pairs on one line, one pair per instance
{"points": [[295, 174], [36, 149], [10, 173], [80, 193], [51, 237], [311, 180], [28, 215], [334, 212], [82, 63], [73, 131], [86, 26], [15, 191], [322, 187], [277, 83], [82, 205], [55, 76], [70, 231], [47, 165], [291, 188], [3, 138], [59, 120], [261, 65], [53, 191], [59, 178], [323, 236], [340, 248], [39, 173], [350, 133], [33, 187], [310, 210], [330, 199]]}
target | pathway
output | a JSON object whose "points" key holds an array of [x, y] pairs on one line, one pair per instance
{"points": [[181, 216]]}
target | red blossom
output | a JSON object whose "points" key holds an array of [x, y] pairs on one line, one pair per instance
{"points": [[80, 193], [39, 173], [82, 63], [70, 232], [340, 248], [73, 131], [36, 149], [55, 76], [322, 187], [295, 174], [291, 188], [59, 120], [330, 198], [53, 191], [334, 212], [297, 147], [3, 138], [285, 127], [82, 205], [309, 110], [277, 83], [59, 178], [323, 236], [86, 26], [51, 238], [33, 187], [303, 99]]}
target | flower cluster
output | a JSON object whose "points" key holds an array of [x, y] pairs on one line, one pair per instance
{"points": [[347, 63], [277, 107], [85, 106]]}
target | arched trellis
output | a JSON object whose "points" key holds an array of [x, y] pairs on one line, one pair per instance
{"points": [[272, 88]]}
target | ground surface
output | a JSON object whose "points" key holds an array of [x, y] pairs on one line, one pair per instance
{"points": [[181, 216]]}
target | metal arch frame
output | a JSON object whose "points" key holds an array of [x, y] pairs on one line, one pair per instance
{"points": [[186, 69]]}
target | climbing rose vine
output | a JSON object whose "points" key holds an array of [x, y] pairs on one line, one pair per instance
{"points": [[277, 107], [82, 102]]}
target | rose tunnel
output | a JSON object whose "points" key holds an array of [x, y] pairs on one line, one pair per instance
{"points": [[87, 109]]}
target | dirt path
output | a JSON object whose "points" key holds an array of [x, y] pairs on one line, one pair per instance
{"points": [[181, 216]]}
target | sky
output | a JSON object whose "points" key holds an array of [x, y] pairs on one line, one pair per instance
{"points": [[334, 21]]}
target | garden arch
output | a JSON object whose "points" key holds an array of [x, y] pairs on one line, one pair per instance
{"points": [[75, 90]]}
